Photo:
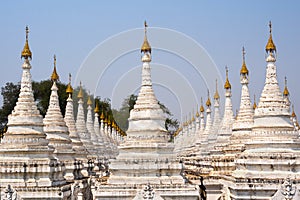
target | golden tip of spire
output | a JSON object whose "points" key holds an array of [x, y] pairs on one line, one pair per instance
{"points": [[96, 110], [113, 124], [197, 113], [254, 104], [244, 69], [102, 115], [201, 107], [208, 102], [216, 95], [285, 91], [54, 75], [145, 46], [26, 53], [270, 45], [227, 84], [80, 93], [108, 121], [69, 89], [293, 112], [89, 101]]}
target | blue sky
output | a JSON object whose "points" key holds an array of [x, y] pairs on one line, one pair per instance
{"points": [[72, 29]]}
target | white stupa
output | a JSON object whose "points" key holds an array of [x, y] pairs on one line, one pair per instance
{"points": [[27, 163], [146, 156]]}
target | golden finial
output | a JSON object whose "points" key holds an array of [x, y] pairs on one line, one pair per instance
{"points": [[89, 101], [216, 96], [208, 103], [190, 118], [96, 110], [54, 75], [285, 91], [197, 113], [113, 124], [105, 119], [270, 45], [102, 115], [254, 104], [26, 53], [80, 93], [146, 46], [293, 113], [69, 89], [244, 69], [201, 107], [193, 118], [108, 120], [227, 84]]}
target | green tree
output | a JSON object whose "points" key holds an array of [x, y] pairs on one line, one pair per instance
{"points": [[10, 93]]}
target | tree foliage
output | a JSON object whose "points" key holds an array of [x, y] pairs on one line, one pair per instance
{"points": [[10, 93]]}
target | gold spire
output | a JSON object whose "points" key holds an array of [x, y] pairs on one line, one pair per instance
{"points": [[254, 104], [201, 107], [54, 76], [80, 93], [89, 101], [114, 124], [190, 121], [208, 103], [146, 46], [69, 89], [105, 120], [285, 91], [193, 118], [108, 121], [26, 53], [227, 84], [293, 113], [244, 69], [96, 110], [197, 113], [186, 121], [102, 115], [216, 96], [270, 45]]}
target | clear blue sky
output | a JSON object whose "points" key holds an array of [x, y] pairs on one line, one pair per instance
{"points": [[71, 29]]}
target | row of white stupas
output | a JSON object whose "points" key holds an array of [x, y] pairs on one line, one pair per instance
{"points": [[57, 158], [52, 157], [254, 155]]}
